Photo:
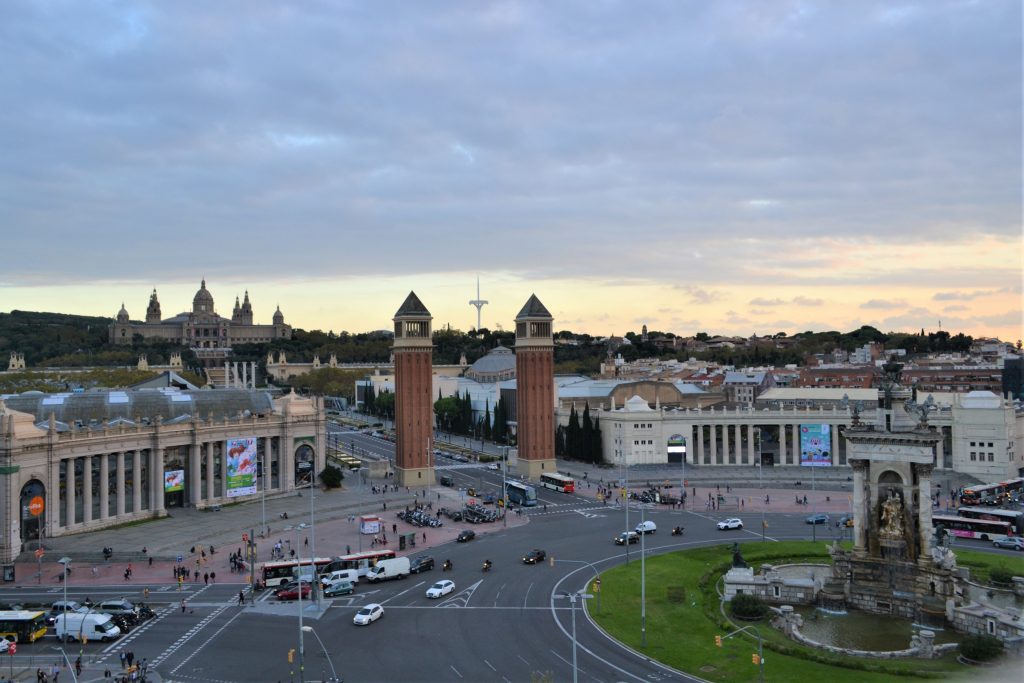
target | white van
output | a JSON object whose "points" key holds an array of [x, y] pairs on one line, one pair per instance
{"points": [[91, 626], [395, 568], [647, 527], [350, 575]]}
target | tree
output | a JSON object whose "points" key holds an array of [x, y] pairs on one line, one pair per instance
{"points": [[583, 449], [447, 412], [596, 448], [487, 421], [332, 477]]}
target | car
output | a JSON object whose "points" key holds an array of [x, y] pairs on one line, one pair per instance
{"points": [[446, 480], [293, 593], [340, 587], [819, 518], [465, 535], [368, 614], [646, 527], [1011, 542], [60, 607], [846, 520], [114, 607], [4, 645], [731, 523], [421, 563], [440, 589], [471, 491], [627, 537], [534, 556], [494, 466]]}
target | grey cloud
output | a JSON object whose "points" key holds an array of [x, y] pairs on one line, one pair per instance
{"points": [[883, 304], [760, 301], [699, 295], [961, 296], [807, 301]]}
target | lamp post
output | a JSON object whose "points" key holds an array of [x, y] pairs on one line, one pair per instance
{"points": [[643, 579], [760, 646], [504, 491], [334, 674], [302, 650], [68, 662], [624, 494], [573, 597], [593, 569], [65, 561], [760, 478]]}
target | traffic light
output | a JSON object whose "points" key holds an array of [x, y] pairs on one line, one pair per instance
{"points": [[718, 641], [755, 658], [291, 656]]}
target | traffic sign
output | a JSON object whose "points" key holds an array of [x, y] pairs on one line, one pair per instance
{"points": [[36, 506], [39, 552], [245, 538]]}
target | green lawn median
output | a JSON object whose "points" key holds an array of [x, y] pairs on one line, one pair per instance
{"points": [[684, 616]]}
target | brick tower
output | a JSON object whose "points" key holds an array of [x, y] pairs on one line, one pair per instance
{"points": [[414, 410], [535, 389]]}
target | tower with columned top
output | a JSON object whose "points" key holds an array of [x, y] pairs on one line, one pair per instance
{"points": [[414, 411], [535, 389]]}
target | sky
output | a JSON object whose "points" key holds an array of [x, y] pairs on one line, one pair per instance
{"points": [[729, 167]]}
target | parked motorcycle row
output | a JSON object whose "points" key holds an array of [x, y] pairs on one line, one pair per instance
{"points": [[126, 622], [419, 517], [474, 513]]}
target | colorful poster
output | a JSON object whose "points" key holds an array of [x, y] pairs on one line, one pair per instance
{"points": [[816, 445], [174, 480], [241, 467], [677, 443]]}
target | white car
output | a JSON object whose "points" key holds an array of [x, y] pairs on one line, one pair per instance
{"points": [[440, 588], [368, 614], [731, 523], [494, 466]]}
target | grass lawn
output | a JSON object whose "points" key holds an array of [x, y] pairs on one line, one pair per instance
{"points": [[683, 619]]}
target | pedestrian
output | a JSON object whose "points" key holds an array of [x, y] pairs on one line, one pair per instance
{"points": [[183, 605], [126, 574], [306, 542], [78, 665], [150, 560], [145, 593], [394, 528], [424, 536], [385, 506], [206, 578], [197, 576], [213, 577], [124, 658], [130, 657], [241, 598], [348, 550]]}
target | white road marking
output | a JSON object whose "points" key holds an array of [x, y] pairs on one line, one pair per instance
{"points": [[456, 671], [201, 646], [387, 600], [490, 665], [527, 596]]}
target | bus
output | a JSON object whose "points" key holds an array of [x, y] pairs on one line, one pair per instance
{"points": [[361, 562], [22, 626], [558, 482], [987, 494], [282, 571], [1014, 517], [521, 494], [1011, 490], [964, 527]]}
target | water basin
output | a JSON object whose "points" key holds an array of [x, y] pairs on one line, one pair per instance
{"points": [[863, 631]]}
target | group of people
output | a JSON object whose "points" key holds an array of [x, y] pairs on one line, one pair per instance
{"points": [[237, 563]]}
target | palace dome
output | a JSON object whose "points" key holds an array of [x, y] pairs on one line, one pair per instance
{"points": [[202, 302]]}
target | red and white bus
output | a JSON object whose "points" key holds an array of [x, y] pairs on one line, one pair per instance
{"points": [[361, 562], [985, 529], [282, 571], [1014, 517], [558, 482]]}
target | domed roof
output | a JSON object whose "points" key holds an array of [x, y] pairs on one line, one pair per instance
{"points": [[278, 316], [122, 315], [498, 359], [202, 302]]}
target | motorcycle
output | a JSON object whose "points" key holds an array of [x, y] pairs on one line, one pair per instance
{"points": [[678, 531], [487, 565], [446, 566]]}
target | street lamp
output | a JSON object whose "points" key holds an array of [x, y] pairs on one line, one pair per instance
{"points": [[597, 576], [334, 674], [573, 597], [65, 561], [643, 579], [760, 646], [760, 478], [624, 472], [298, 590]]}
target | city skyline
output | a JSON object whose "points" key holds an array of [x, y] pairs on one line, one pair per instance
{"points": [[735, 168]]}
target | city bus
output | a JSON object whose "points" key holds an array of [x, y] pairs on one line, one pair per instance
{"points": [[361, 562], [964, 527], [1014, 517], [22, 626], [282, 571], [1011, 490], [521, 494], [558, 482], [987, 494]]}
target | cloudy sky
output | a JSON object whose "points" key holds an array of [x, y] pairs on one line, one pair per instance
{"points": [[734, 167]]}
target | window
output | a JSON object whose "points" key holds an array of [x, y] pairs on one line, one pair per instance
{"points": [[991, 627], [776, 591], [974, 456], [540, 329]]}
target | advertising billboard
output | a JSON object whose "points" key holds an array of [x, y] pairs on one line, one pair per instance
{"points": [[241, 467], [677, 443], [816, 445], [174, 480]]}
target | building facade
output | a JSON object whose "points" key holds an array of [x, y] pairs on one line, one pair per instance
{"points": [[414, 405], [200, 328], [81, 462]]}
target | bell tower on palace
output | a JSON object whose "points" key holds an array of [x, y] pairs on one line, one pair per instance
{"points": [[535, 389], [414, 411]]}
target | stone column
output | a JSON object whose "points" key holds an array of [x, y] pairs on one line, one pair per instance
{"points": [[195, 483], [69, 491], [924, 509], [940, 450], [861, 515], [740, 459], [713, 434], [86, 489], [796, 444], [119, 503], [725, 444], [286, 466], [699, 455], [267, 452], [690, 446], [136, 481], [751, 454], [782, 445], [210, 493], [104, 486], [156, 503]]}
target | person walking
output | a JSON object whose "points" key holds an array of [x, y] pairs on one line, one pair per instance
{"points": [[183, 605], [206, 578], [241, 598]]}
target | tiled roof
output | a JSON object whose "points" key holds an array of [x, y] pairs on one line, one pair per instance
{"points": [[412, 306], [533, 309]]}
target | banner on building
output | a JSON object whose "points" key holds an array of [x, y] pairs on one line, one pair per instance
{"points": [[677, 443], [816, 445], [241, 467], [174, 480]]}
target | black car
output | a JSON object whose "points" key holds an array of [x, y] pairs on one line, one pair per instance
{"points": [[465, 535], [534, 556], [421, 564], [447, 480]]}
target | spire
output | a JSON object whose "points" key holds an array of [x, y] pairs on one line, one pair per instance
{"points": [[533, 309], [412, 306]]}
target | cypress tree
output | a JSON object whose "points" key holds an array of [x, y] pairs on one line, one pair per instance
{"points": [[586, 435], [487, 420], [597, 454]]}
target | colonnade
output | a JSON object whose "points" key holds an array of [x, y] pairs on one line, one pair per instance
{"points": [[107, 488], [723, 443]]}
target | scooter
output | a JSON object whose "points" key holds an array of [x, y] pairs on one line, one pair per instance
{"points": [[487, 565], [678, 531], [446, 566]]}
